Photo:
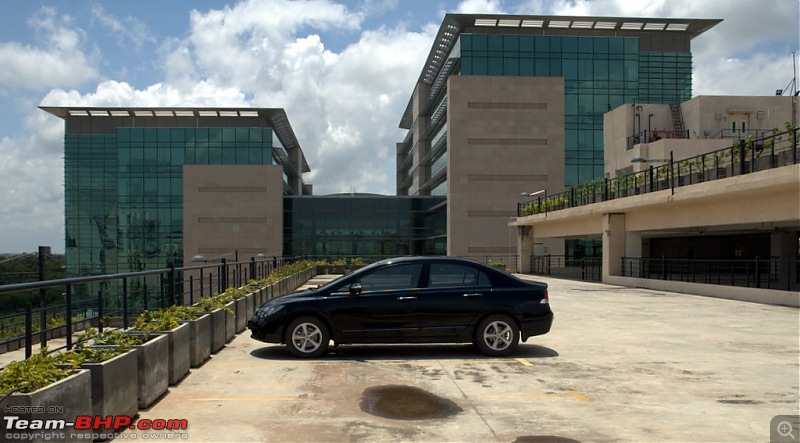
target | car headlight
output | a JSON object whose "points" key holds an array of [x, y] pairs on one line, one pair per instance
{"points": [[263, 313]]}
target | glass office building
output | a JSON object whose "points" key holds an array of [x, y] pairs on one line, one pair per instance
{"points": [[123, 175], [593, 64], [600, 73], [359, 225]]}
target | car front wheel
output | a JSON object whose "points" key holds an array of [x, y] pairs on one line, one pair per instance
{"points": [[307, 337], [497, 335]]}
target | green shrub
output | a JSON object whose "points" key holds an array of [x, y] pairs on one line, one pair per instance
{"points": [[151, 321], [33, 373]]}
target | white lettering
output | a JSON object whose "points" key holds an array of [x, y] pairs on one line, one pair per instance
{"points": [[15, 423]]}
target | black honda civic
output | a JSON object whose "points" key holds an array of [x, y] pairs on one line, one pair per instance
{"points": [[409, 300]]}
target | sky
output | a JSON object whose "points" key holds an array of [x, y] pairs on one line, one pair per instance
{"points": [[342, 70]]}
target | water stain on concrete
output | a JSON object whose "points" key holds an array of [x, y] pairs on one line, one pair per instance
{"points": [[741, 402], [544, 439], [402, 402]]}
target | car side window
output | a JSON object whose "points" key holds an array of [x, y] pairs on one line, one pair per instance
{"points": [[403, 276], [444, 275]]}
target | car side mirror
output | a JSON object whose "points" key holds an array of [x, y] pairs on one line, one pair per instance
{"points": [[355, 289]]}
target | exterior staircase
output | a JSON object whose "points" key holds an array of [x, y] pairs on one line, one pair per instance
{"points": [[677, 120]]}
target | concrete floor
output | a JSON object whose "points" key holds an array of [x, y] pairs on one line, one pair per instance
{"points": [[620, 364]]}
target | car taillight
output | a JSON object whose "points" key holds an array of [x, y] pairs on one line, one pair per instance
{"points": [[546, 298]]}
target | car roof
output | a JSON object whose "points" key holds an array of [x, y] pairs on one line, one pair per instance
{"points": [[433, 258]]}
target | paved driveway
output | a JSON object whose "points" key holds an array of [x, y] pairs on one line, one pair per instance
{"points": [[620, 364]]}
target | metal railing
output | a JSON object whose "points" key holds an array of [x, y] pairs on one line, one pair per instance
{"points": [[650, 136], [743, 157], [767, 273], [502, 262], [585, 268], [116, 299]]}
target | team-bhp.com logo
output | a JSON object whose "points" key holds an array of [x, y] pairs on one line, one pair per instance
{"points": [[92, 427]]}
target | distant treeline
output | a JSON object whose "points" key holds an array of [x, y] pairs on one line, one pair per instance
{"points": [[26, 269]]}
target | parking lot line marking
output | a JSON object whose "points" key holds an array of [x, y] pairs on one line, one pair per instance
{"points": [[578, 395], [524, 362]]}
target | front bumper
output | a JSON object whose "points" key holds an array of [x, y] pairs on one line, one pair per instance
{"points": [[265, 331]]}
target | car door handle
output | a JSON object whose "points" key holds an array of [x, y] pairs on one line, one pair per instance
{"points": [[406, 298], [473, 295]]}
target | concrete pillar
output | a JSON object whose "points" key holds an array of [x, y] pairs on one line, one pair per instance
{"points": [[633, 244], [613, 243], [524, 248], [783, 245]]}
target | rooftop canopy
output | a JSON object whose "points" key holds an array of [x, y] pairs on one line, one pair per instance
{"points": [[276, 117], [455, 24]]}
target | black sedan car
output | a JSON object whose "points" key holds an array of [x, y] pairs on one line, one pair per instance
{"points": [[409, 300]]}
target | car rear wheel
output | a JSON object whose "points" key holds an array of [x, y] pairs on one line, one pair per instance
{"points": [[307, 337], [497, 335]]}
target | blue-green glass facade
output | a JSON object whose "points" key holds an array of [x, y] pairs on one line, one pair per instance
{"points": [[600, 73], [123, 191], [364, 226]]}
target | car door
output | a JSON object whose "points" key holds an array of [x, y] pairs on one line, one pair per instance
{"points": [[387, 307], [453, 298]]}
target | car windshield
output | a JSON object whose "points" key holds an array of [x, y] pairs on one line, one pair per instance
{"points": [[338, 279]]}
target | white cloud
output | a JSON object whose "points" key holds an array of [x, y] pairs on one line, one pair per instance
{"points": [[112, 93], [749, 53], [242, 45], [344, 105], [129, 28], [32, 177], [60, 62], [480, 7]]}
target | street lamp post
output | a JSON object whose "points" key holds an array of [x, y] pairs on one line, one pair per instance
{"points": [[539, 202]]}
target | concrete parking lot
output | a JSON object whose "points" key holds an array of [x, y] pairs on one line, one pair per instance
{"points": [[620, 364]]}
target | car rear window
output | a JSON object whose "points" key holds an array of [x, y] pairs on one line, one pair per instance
{"points": [[444, 275]]}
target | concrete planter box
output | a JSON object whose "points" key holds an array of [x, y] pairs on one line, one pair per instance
{"points": [[9, 346], [217, 335], [179, 343], [230, 321], [114, 385], [199, 339], [241, 314], [259, 299], [70, 398], [252, 300], [152, 369], [268, 292]]}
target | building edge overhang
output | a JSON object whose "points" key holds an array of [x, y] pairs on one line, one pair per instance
{"points": [[454, 24], [277, 117]]}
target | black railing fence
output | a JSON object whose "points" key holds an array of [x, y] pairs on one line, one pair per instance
{"points": [[116, 299], [743, 157], [501, 262], [767, 272], [586, 268]]}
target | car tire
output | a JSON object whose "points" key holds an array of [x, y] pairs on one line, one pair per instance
{"points": [[497, 335], [307, 337]]}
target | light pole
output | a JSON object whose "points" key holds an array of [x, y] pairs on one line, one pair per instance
{"points": [[535, 193]]}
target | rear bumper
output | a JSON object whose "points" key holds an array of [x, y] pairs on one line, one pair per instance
{"points": [[537, 326]]}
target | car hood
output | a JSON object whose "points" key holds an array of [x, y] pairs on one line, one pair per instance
{"points": [[288, 298]]}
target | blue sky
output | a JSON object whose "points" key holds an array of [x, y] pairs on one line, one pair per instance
{"points": [[343, 70]]}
